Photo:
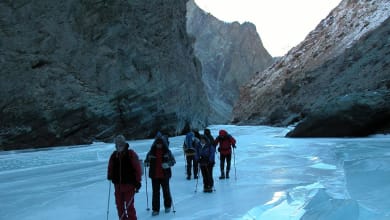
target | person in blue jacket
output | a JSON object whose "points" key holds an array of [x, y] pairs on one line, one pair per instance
{"points": [[191, 147], [206, 159]]}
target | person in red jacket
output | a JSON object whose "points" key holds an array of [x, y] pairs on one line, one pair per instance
{"points": [[160, 159], [124, 170], [226, 142]]}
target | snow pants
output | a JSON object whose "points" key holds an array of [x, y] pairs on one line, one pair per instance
{"points": [[207, 175], [124, 198], [192, 164], [228, 159], [164, 183]]}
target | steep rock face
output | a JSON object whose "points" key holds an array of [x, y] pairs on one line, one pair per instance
{"points": [[76, 71], [335, 83], [230, 55]]}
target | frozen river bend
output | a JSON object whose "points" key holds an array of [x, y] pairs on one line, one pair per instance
{"points": [[273, 178]]}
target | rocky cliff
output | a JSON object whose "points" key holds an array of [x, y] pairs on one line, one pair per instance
{"points": [[335, 83], [72, 72], [230, 54]]}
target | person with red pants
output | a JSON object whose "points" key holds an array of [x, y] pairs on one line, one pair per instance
{"points": [[124, 170], [160, 160], [226, 142]]}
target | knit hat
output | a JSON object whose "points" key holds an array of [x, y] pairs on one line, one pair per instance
{"points": [[120, 143]]}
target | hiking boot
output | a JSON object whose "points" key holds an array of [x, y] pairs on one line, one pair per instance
{"points": [[154, 213], [222, 177], [227, 174], [188, 177], [167, 210], [208, 189], [195, 177]]}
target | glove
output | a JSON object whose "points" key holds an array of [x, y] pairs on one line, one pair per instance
{"points": [[165, 166], [219, 149], [137, 186], [234, 146]]}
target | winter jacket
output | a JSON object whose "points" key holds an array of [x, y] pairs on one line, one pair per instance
{"points": [[206, 155], [226, 142], [152, 162], [124, 168]]}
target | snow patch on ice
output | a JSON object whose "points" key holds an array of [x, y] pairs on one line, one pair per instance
{"points": [[324, 166]]}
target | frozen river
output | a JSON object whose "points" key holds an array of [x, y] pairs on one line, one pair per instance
{"points": [[276, 178]]}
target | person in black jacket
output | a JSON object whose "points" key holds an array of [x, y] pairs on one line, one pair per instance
{"points": [[206, 158], [160, 160], [207, 133], [124, 170]]}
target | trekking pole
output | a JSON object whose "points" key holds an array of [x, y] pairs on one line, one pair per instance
{"points": [[126, 207], [108, 202], [185, 163], [234, 160], [173, 204], [196, 186], [146, 187]]}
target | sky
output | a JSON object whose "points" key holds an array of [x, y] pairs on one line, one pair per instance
{"points": [[281, 24], [272, 177]]}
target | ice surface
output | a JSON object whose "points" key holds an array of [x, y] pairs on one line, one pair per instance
{"points": [[277, 178]]}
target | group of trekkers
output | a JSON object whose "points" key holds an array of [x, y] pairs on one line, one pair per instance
{"points": [[125, 172], [200, 152]]}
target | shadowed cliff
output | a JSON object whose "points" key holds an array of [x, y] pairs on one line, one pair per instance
{"points": [[230, 54], [72, 72]]}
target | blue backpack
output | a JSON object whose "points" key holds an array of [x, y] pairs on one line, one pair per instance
{"points": [[189, 143]]}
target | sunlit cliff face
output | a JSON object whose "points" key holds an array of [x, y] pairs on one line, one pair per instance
{"points": [[323, 82]]}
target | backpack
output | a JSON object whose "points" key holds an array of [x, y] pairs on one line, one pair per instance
{"points": [[189, 145]]}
